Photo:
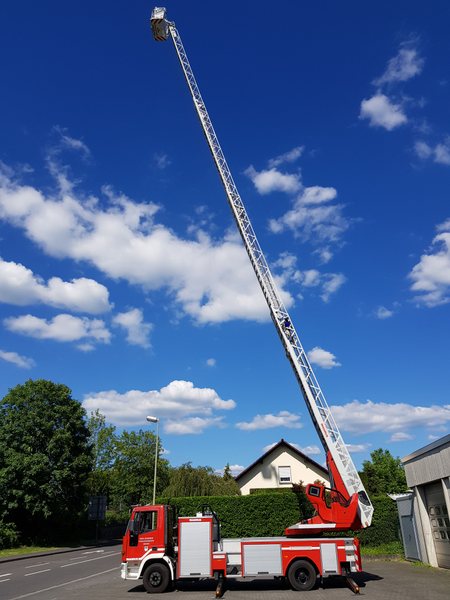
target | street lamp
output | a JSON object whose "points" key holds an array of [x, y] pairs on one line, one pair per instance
{"points": [[155, 420]]}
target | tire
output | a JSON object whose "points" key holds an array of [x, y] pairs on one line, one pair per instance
{"points": [[302, 575], [156, 578]]}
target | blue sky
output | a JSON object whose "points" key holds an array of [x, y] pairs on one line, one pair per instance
{"points": [[121, 273]]}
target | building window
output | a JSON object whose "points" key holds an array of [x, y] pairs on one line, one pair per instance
{"points": [[284, 475]]}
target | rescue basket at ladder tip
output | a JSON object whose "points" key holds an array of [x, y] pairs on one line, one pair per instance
{"points": [[160, 27]]}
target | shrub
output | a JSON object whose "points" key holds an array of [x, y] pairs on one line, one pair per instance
{"points": [[9, 536]]}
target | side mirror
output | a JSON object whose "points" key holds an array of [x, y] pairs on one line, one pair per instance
{"points": [[134, 527]]}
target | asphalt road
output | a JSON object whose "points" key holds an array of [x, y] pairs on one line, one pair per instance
{"points": [[95, 575], [50, 576]]}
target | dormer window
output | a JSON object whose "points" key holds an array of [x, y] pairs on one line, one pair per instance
{"points": [[284, 475]]}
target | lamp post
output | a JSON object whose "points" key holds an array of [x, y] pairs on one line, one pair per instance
{"points": [[155, 420]]}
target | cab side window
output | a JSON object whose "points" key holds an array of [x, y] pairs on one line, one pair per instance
{"points": [[147, 521]]}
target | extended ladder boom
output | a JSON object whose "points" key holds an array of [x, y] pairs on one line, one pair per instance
{"points": [[315, 401]]}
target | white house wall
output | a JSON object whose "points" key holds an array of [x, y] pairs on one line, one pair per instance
{"points": [[265, 473]]}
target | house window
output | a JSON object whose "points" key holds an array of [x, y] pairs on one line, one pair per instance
{"points": [[284, 475]]}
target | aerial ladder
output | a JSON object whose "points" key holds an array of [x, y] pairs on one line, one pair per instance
{"points": [[346, 504]]}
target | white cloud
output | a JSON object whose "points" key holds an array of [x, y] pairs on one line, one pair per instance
{"points": [[383, 313], [358, 417], [17, 359], [62, 328], [192, 425], [272, 180], [235, 469], [313, 217], [332, 283], [68, 142], [86, 347], [287, 157], [211, 362], [405, 65], [322, 358], [382, 112], [178, 402], [138, 331], [329, 283], [317, 194], [19, 286], [212, 281], [324, 254], [269, 446], [355, 448], [268, 421], [431, 275], [162, 160], [401, 436], [309, 277], [423, 150], [440, 153], [309, 450]]}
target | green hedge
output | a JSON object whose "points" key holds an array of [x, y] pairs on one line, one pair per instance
{"points": [[259, 515], [385, 526], [256, 515]]}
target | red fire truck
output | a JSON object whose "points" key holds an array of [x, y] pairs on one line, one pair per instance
{"points": [[162, 551]]}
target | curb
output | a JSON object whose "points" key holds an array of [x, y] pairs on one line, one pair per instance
{"points": [[370, 557], [57, 551]]}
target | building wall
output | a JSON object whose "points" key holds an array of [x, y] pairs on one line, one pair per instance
{"points": [[426, 469], [431, 466], [265, 473]]}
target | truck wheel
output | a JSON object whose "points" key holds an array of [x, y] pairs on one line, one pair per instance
{"points": [[156, 578], [302, 575]]}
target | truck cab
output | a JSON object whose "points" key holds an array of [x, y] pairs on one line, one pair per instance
{"points": [[150, 539]]}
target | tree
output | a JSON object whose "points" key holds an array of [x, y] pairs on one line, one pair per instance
{"points": [[187, 480], [383, 474], [45, 458], [227, 475], [133, 470], [104, 441]]}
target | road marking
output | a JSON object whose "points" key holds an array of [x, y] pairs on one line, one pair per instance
{"points": [[5, 574], [62, 584], [89, 560], [78, 557], [38, 565], [3, 580], [93, 551], [37, 572]]}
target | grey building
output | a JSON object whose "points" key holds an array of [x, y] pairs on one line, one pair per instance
{"points": [[424, 514]]}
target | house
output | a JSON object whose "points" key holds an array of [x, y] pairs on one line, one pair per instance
{"points": [[280, 467], [424, 512]]}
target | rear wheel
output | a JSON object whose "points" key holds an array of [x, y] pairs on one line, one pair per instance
{"points": [[156, 578], [302, 575]]}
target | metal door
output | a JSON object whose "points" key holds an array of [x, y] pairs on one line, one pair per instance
{"points": [[439, 521], [408, 526]]}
